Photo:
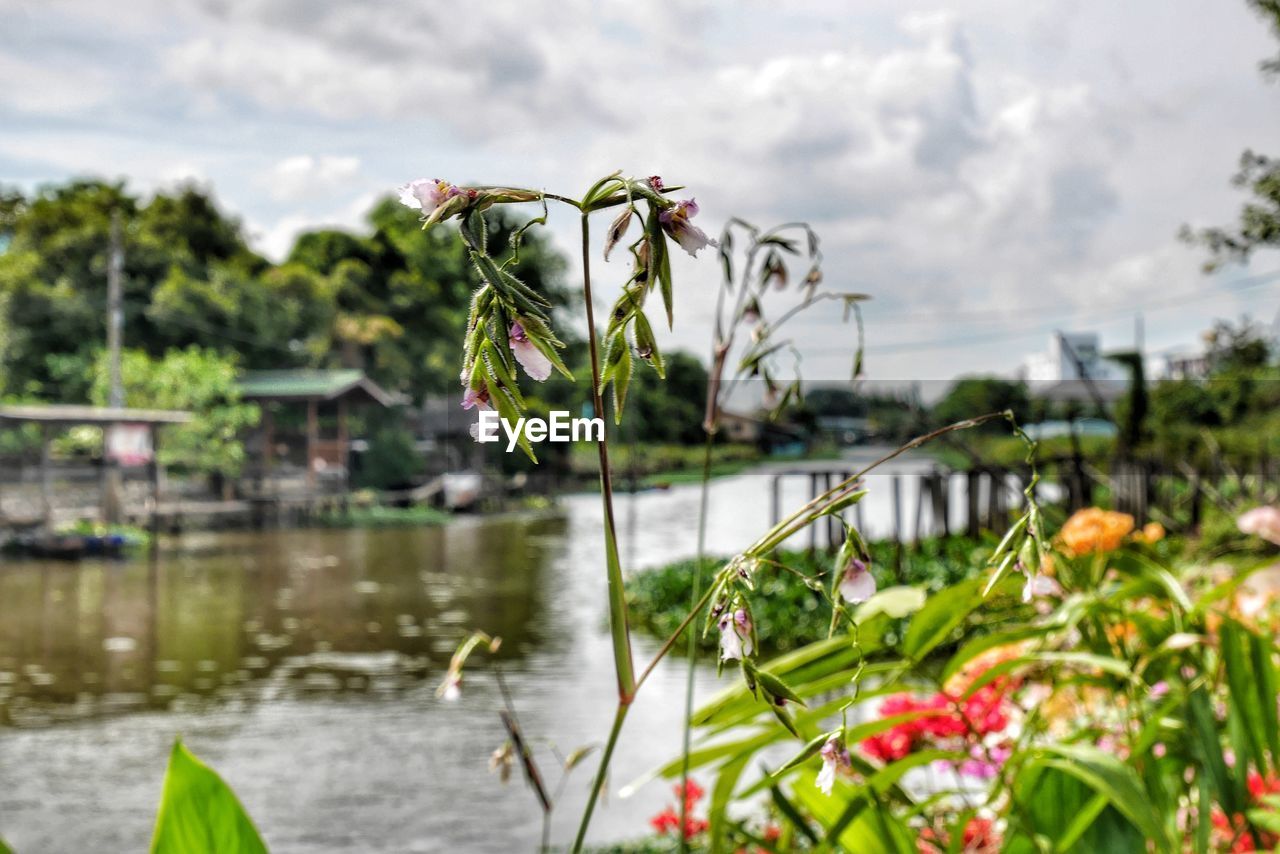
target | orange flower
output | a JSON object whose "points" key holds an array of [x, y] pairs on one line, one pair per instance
{"points": [[1152, 532], [1094, 530]]}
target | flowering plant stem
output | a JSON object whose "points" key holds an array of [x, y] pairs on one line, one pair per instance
{"points": [[618, 629]]}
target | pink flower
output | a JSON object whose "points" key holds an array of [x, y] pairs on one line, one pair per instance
{"points": [[427, 194], [1262, 521], [534, 361], [985, 764], [835, 758], [675, 220], [477, 399], [1040, 585], [1158, 690], [857, 584], [735, 636]]}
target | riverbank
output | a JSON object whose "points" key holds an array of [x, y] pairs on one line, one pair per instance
{"points": [[789, 613]]}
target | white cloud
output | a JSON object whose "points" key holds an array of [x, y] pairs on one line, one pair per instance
{"points": [[991, 158], [305, 176]]}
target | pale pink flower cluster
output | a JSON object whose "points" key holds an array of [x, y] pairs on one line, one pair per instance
{"points": [[1261, 521]]}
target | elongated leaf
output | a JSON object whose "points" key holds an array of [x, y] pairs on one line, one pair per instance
{"points": [[792, 814], [939, 618], [895, 602], [1056, 806], [1245, 697], [721, 795], [1085, 660], [1108, 776], [1261, 650], [5, 849], [199, 814]]}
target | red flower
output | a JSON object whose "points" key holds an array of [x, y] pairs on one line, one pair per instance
{"points": [[1236, 828], [668, 821], [665, 821]]}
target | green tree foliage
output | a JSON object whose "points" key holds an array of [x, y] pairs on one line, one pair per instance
{"points": [[392, 301], [972, 396], [1259, 174], [195, 379]]}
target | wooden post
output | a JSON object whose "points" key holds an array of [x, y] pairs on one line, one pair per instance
{"points": [[153, 470], [313, 430], [268, 439], [344, 451], [45, 485], [972, 484], [897, 522], [813, 529], [775, 501]]}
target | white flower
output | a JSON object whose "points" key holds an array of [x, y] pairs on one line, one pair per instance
{"points": [[857, 584], [534, 361], [427, 194], [451, 688], [675, 220], [735, 636], [835, 758]]}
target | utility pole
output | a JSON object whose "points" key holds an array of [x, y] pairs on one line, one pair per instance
{"points": [[112, 482], [115, 310]]}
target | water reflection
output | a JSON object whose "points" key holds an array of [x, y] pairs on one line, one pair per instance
{"points": [[289, 612]]}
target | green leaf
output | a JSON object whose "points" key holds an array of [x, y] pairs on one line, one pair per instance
{"points": [[939, 618], [1261, 650], [199, 814], [1108, 776], [5, 849], [806, 753], [1056, 806], [621, 381], [896, 602], [1203, 728], [1085, 660], [721, 795], [792, 814], [1244, 694]]}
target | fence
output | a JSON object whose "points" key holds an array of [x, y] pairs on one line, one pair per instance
{"points": [[942, 502]]}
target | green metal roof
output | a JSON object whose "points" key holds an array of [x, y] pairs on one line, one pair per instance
{"points": [[64, 414], [310, 385]]}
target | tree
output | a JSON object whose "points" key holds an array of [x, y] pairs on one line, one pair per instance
{"points": [[1259, 174], [194, 379], [972, 396]]}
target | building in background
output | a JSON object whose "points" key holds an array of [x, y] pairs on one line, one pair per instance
{"points": [[1071, 356]]}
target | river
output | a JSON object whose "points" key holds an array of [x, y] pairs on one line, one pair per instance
{"points": [[301, 664]]}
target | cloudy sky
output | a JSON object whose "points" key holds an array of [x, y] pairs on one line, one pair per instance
{"points": [[990, 170]]}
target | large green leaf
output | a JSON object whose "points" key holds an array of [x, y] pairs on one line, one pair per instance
{"points": [[873, 828], [5, 849], [1106, 775], [939, 618], [1067, 812], [1248, 701], [199, 814]]}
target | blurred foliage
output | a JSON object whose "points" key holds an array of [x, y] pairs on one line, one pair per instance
{"points": [[1133, 709], [195, 379], [788, 612], [392, 461]]}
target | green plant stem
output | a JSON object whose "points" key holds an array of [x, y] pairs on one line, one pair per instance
{"points": [[617, 602], [691, 653], [620, 716], [621, 635]]}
